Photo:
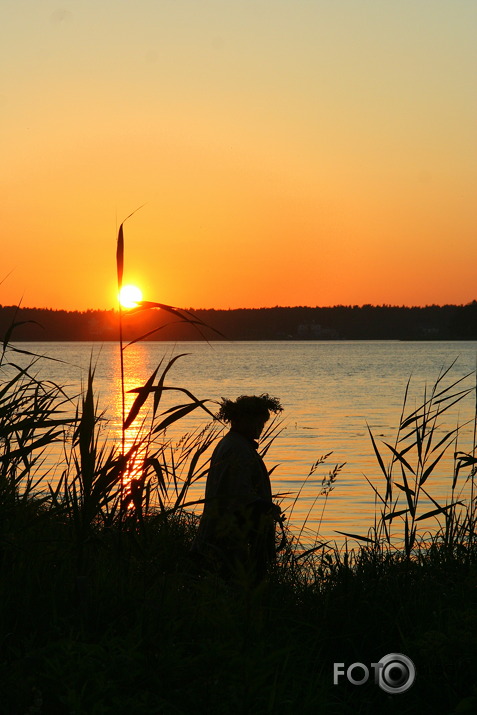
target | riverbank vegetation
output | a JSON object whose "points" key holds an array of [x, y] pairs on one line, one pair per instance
{"points": [[104, 608]]}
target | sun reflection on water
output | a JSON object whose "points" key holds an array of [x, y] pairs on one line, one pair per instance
{"points": [[133, 440], [158, 461]]}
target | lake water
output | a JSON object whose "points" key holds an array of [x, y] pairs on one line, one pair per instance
{"points": [[330, 392]]}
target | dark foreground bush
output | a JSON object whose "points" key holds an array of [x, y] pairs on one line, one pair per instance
{"points": [[141, 629], [104, 609]]}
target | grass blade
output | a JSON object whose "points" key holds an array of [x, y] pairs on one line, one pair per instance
{"points": [[177, 414], [393, 514], [378, 455], [356, 536], [399, 457], [143, 393], [120, 257], [429, 469], [439, 510]]}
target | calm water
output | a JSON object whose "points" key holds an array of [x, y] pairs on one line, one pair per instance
{"points": [[330, 391]]}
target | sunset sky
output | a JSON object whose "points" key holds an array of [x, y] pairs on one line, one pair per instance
{"points": [[287, 152]]}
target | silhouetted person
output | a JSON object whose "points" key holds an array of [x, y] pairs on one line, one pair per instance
{"points": [[237, 527]]}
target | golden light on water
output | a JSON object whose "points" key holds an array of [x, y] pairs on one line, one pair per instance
{"points": [[129, 296]]}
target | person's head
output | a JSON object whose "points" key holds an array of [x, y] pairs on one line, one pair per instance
{"points": [[248, 413]]}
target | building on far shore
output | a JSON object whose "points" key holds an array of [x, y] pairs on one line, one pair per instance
{"points": [[314, 331]]}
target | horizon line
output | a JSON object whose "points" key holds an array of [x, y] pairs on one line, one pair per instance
{"points": [[274, 307]]}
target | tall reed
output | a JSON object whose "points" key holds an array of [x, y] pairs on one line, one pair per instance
{"points": [[152, 388], [423, 444]]}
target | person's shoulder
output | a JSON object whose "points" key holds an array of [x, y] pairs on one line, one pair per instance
{"points": [[234, 442]]}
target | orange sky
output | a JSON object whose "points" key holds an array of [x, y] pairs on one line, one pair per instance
{"points": [[287, 153]]}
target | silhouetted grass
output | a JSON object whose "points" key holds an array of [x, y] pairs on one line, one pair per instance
{"points": [[104, 608]]}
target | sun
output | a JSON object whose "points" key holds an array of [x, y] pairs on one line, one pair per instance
{"points": [[129, 296]]}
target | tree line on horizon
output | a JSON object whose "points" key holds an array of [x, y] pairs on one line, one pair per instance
{"points": [[366, 322]]}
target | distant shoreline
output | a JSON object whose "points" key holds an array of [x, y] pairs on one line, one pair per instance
{"points": [[430, 323]]}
